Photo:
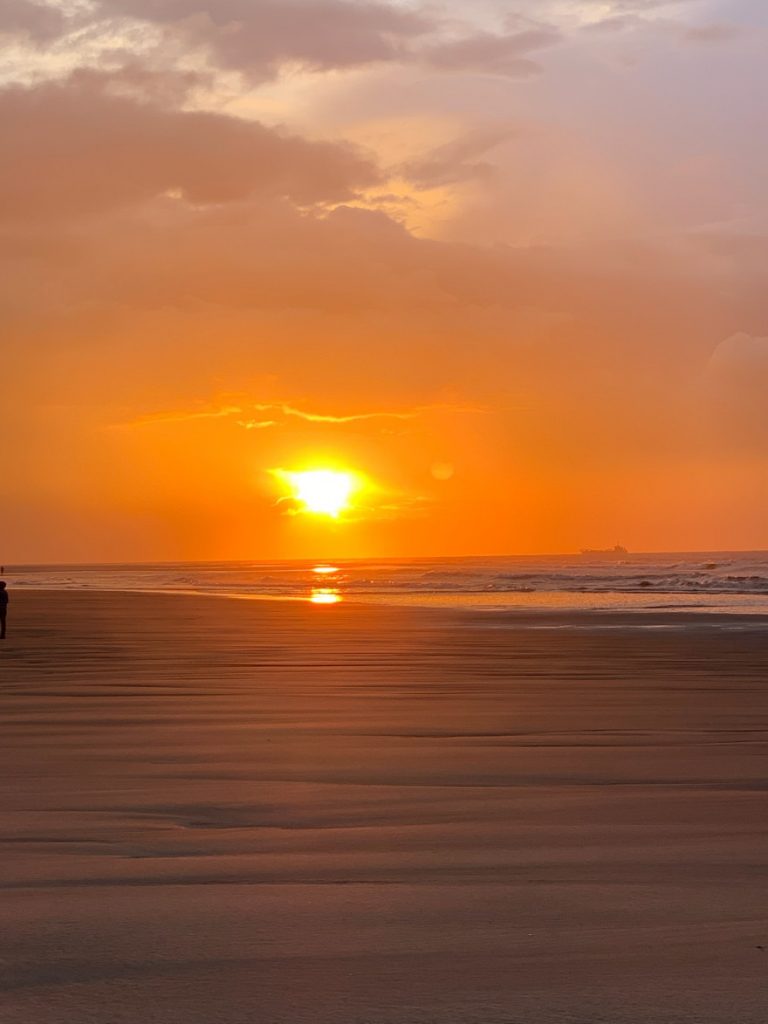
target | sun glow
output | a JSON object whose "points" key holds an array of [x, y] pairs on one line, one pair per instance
{"points": [[324, 492]]}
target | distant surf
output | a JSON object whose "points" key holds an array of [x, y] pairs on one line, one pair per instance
{"points": [[709, 580]]}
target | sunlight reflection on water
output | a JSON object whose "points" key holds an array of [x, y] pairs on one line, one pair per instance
{"points": [[325, 596]]}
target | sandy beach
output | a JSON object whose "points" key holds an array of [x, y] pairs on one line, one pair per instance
{"points": [[226, 812]]}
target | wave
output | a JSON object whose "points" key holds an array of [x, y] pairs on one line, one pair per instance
{"points": [[719, 573]]}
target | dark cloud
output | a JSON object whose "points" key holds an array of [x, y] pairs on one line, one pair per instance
{"points": [[25, 18], [77, 149], [133, 78], [488, 53], [260, 36]]}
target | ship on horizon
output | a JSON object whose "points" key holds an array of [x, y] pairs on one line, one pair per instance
{"points": [[617, 551]]}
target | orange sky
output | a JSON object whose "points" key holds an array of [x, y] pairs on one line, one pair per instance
{"points": [[525, 241]]}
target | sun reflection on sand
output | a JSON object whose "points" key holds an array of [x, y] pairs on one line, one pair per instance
{"points": [[325, 596]]}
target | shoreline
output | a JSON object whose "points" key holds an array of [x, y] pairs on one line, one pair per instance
{"points": [[457, 603], [450, 604]]}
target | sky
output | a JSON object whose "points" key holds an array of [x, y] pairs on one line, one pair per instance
{"points": [[505, 261]]}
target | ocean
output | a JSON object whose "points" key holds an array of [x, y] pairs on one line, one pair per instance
{"points": [[707, 581]]}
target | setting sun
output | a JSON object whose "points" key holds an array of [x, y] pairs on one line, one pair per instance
{"points": [[321, 491]]}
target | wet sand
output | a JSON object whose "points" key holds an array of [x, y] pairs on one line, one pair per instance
{"points": [[229, 812]]}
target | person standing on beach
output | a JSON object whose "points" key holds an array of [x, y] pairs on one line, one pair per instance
{"points": [[3, 608]]}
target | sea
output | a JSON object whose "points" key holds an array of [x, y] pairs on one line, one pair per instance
{"points": [[735, 582]]}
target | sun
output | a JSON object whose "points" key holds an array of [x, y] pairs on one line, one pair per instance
{"points": [[325, 492]]}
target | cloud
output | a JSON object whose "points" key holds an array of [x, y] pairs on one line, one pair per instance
{"points": [[186, 416], [458, 160], [286, 411], [621, 14], [264, 38], [153, 252], [704, 34], [614, 24], [315, 417], [78, 149], [258, 37], [712, 33], [256, 424], [633, 6], [487, 53], [39, 22], [137, 79]]}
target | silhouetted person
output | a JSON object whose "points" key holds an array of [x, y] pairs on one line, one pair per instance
{"points": [[3, 608]]}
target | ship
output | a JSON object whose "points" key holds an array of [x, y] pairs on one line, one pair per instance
{"points": [[615, 552]]}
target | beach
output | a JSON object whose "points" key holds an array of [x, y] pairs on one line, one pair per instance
{"points": [[230, 811]]}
